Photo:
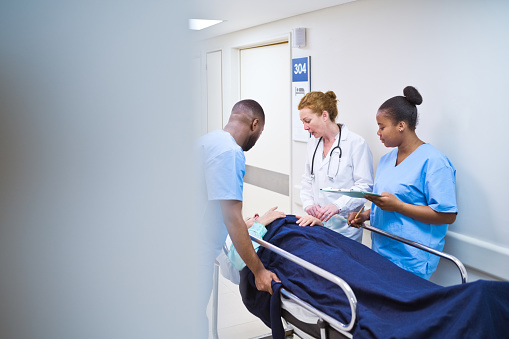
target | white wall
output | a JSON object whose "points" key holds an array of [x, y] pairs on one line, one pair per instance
{"points": [[455, 53]]}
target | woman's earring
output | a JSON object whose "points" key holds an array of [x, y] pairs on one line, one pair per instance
{"points": [[400, 130]]}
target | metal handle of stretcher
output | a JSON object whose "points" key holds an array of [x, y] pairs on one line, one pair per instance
{"points": [[324, 274], [459, 264]]}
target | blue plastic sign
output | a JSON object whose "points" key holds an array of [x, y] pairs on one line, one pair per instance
{"points": [[300, 69], [301, 85]]}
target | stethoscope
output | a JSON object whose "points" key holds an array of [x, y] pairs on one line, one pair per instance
{"points": [[330, 156]]}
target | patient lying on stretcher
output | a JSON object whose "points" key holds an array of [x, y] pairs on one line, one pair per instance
{"points": [[257, 228], [392, 303]]}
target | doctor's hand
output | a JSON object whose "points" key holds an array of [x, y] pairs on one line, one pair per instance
{"points": [[326, 212], [270, 216], [263, 280], [313, 210], [387, 202], [308, 220]]}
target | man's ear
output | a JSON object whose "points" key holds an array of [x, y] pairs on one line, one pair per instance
{"points": [[254, 124]]}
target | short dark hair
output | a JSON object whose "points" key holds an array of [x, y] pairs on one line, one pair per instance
{"points": [[250, 105], [403, 108]]}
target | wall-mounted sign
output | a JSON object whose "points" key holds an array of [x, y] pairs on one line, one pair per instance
{"points": [[301, 84]]}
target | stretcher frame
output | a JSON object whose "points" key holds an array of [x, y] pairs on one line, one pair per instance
{"points": [[326, 324]]}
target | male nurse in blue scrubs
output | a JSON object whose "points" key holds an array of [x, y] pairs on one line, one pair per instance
{"points": [[223, 161]]}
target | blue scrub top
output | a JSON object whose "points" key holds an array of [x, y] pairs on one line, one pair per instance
{"points": [[223, 164], [425, 178]]}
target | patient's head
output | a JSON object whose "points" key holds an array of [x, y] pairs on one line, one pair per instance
{"points": [[251, 220]]}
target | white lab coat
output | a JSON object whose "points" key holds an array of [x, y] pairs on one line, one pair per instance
{"points": [[355, 172]]}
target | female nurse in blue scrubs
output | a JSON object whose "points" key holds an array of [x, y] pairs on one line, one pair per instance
{"points": [[417, 184]]}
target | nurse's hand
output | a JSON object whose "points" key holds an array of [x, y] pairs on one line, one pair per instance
{"points": [[308, 220], [313, 210], [326, 212], [356, 221], [387, 202], [263, 280]]}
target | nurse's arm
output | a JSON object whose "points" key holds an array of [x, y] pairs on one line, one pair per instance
{"points": [[425, 214], [232, 215]]}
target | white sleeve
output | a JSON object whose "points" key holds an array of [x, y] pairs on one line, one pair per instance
{"points": [[363, 167], [362, 162], [306, 191]]}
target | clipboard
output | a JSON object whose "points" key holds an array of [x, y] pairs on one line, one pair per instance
{"points": [[350, 193]]}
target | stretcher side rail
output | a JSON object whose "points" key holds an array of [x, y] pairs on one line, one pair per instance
{"points": [[456, 261], [324, 274]]}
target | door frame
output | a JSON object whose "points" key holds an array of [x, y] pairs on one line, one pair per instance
{"points": [[236, 80]]}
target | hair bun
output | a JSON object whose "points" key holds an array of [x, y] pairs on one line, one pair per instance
{"points": [[331, 95], [412, 95]]}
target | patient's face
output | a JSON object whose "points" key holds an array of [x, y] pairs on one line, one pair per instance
{"points": [[251, 220]]}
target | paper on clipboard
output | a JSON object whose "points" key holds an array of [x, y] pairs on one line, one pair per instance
{"points": [[350, 193]]}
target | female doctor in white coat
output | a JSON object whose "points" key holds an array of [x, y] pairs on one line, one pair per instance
{"points": [[336, 157]]}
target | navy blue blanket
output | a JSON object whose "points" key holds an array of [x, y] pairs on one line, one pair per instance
{"points": [[392, 303]]}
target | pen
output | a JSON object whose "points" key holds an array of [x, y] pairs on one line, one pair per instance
{"points": [[362, 208]]}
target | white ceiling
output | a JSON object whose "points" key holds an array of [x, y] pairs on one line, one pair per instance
{"points": [[242, 14]]}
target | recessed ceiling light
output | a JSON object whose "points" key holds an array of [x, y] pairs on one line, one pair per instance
{"points": [[198, 24]]}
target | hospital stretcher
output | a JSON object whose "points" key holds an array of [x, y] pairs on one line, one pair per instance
{"points": [[305, 320]]}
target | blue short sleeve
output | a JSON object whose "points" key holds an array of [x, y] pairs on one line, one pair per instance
{"points": [[224, 176], [440, 190]]}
